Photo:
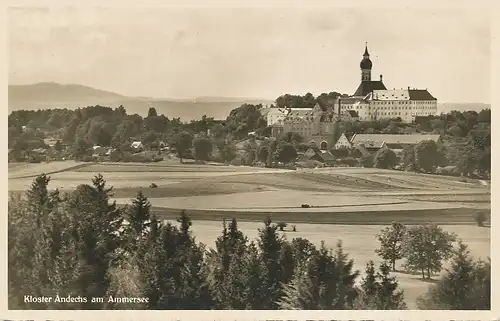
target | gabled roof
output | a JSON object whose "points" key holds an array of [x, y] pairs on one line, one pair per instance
{"points": [[315, 149], [377, 139], [367, 87], [327, 156], [420, 94], [401, 94], [353, 113]]}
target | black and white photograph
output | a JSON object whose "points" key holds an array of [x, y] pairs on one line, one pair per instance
{"points": [[249, 158]]}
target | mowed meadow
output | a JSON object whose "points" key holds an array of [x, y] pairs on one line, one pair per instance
{"points": [[347, 204]]}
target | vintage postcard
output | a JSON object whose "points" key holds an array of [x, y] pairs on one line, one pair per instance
{"points": [[241, 156]]}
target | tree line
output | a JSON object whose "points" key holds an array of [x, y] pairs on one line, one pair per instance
{"points": [[466, 135], [80, 243]]}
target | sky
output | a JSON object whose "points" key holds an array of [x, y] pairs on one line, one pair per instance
{"points": [[251, 52]]}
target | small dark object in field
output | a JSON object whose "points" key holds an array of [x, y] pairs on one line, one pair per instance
{"points": [[281, 225], [480, 218], [153, 185], [306, 206], [294, 228]]}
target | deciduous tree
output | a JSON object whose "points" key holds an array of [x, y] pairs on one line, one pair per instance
{"points": [[391, 243], [426, 247]]}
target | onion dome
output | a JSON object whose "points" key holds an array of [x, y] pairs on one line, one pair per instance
{"points": [[366, 63]]}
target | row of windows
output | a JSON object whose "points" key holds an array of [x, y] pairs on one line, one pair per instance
{"points": [[403, 102]]}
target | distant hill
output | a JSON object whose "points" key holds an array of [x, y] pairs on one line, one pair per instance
{"points": [[53, 95], [447, 107]]}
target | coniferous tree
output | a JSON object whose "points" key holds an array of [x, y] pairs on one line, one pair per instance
{"points": [[325, 282], [379, 291], [389, 297], [346, 290], [270, 245], [137, 218]]}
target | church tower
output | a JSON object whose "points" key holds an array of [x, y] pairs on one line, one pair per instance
{"points": [[366, 66]]}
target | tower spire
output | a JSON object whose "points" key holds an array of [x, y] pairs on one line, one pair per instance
{"points": [[366, 65], [366, 54]]}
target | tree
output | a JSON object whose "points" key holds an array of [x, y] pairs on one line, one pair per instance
{"points": [[137, 217], [262, 153], [385, 158], [465, 286], [426, 247], [152, 112], [427, 156], [467, 163], [202, 148], [367, 160], [324, 282], [183, 143], [291, 137], [270, 245], [225, 268], [389, 297], [58, 146], [286, 153], [409, 161], [379, 291], [391, 243]]}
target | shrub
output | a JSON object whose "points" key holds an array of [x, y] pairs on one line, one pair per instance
{"points": [[238, 161], [153, 185], [281, 225], [305, 206], [88, 158], [349, 161], [480, 218]]}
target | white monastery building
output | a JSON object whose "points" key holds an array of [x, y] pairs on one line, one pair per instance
{"points": [[372, 100]]}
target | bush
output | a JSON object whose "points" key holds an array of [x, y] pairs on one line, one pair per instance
{"points": [[88, 158], [35, 159], [281, 225], [153, 185], [305, 206], [238, 161], [157, 158], [480, 218], [349, 161]]}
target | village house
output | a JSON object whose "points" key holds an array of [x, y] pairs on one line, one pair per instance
{"points": [[343, 142], [99, 150], [137, 146], [314, 153], [397, 142]]}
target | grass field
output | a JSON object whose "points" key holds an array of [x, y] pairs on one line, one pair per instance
{"points": [[358, 241], [337, 195]]}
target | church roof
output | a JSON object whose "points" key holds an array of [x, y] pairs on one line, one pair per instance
{"points": [[420, 94], [353, 113], [367, 87], [401, 94]]}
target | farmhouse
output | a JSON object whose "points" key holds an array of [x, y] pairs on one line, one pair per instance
{"points": [[314, 153], [374, 142], [343, 142], [137, 145]]}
